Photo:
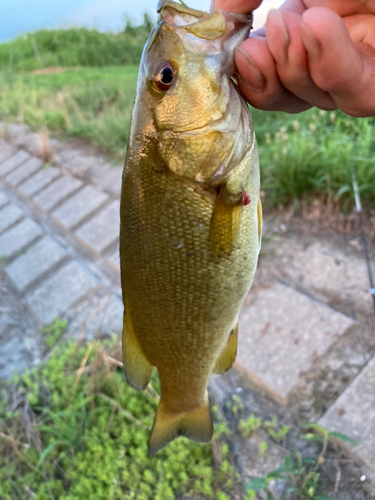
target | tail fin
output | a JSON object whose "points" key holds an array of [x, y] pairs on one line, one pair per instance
{"points": [[195, 424]]}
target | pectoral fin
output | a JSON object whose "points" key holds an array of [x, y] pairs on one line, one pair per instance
{"points": [[260, 220], [195, 425], [138, 369], [228, 355], [225, 223]]}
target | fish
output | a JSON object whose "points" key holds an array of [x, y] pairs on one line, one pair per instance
{"points": [[190, 216]]}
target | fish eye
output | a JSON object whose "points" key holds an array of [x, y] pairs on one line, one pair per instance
{"points": [[164, 76]]}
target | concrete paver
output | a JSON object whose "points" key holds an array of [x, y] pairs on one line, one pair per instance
{"points": [[19, 335], [102, 231], [6, 151], [39, 181], [326, 272], [78, 208], [16, 355], [56, 193], [41, 258], [24, 172], [19, 237], [4, 199], [114, 316], [281, 335], [114, 261], [60, 291], [353, 413], [9, 215], [13, 162]]}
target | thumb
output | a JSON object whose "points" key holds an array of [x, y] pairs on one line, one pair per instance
{"points": [[335, 64]]}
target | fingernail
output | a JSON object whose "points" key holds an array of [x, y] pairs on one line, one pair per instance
{"points": [[255, 80], [276, 17], [312, 44]]}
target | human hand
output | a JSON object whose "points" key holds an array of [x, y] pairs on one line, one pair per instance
{"points": [[311, 53]]}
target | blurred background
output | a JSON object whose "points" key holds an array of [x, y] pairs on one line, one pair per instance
{"points": [[295, 418]]}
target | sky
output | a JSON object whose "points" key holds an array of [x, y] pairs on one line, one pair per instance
{"points": [[21, 16]]}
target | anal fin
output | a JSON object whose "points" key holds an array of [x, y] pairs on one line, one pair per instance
{"points": [[225, 222], [195, 424], [138, 369], [228, 355]]}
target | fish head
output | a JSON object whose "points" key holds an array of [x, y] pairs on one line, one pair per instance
{"points": [[185, 84]]}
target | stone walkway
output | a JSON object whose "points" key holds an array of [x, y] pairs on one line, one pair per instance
{"points": [[306, 329]]}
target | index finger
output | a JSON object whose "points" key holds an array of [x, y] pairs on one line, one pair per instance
{"points": [[237, 6], [248, 6]]}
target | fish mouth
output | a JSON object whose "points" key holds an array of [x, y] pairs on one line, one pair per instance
{"points": [[206, 25]]}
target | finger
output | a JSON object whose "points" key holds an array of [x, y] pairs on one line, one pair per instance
{"points": [[361, 29], [238, 6], [248, 6], [335, 64], [287, 48], [296, 6], [258, 80]]}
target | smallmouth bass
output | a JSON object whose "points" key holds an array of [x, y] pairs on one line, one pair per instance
{"points": [[190, 215]]}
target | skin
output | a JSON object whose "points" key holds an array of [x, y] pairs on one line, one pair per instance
{"points": [[310, 53]]}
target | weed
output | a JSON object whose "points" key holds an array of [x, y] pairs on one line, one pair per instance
{"points": [[54, 331], [235, 405], [249, 426], [263, 449], [300, 473], [252, 424], [74, 429], [270, 426]]}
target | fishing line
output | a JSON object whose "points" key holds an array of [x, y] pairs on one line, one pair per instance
{"points": [[358, 205]]}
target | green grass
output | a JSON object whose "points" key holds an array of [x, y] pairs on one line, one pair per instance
{"points": [[94, 103], [307, 156], [75, 47], [79, 434], [312, 155]]}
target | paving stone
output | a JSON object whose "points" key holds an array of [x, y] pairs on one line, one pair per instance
{"points": [[108, 177], [332, 275], [24, 172], [19, 237], [6, 151], [15, 357], [9, 216], [56, 193], [60, 291], [13, 162], [281, 335], [102, 231], [114, 316], [39, 181], [78, 208], [114, 261], [41, 258], [4, 200], [353, 413]]}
